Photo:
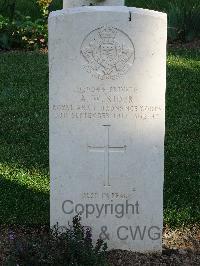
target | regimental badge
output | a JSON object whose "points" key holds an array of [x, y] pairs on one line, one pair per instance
{"points": [[109, 53]]}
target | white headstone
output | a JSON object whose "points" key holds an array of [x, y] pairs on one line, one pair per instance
{"points": [[76, 3], [107, 122]]}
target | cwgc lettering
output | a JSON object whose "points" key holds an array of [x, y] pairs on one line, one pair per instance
{"points": [[107, 122]]}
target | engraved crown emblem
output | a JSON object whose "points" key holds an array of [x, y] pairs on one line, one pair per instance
{"points": [[108, 34], [108, 53]]}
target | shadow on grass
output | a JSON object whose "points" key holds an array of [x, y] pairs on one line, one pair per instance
{"points": [[24, 110], [24, 139], [24, 164], [22, 205]]}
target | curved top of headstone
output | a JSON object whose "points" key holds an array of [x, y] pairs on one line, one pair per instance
{"points": [[78, 3]]}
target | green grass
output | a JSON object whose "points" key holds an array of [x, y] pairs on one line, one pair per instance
{"points": [[24, 170], [182, 157], [24, 178]]}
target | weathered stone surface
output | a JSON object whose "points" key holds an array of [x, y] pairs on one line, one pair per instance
{"points": [[78, 3], [107, 122]]}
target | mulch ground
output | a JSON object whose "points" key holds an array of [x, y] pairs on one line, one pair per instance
{"points": [[189, 45], [180, 247], [126, 258]]}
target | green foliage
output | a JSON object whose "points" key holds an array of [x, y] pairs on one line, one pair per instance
{"points": [[8, 7], [183, 16], [22, 33], [5, 32], [159, 5], [184, 20], [26, 7], [72, 246], [44, 6]]}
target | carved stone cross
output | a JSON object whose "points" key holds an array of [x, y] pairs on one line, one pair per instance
{"points": [[107, 149]]}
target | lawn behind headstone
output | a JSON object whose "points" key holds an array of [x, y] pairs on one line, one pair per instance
{"points": [[24, 182], [182, 159], [24, 166]]}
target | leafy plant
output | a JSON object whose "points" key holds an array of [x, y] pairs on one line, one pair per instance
{"points": [[183, 20], [4, 32], [8, 7], [72, 246], [22, 32], [44, 6]]}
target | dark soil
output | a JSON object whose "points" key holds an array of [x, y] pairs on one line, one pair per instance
{"points": [[169, 257], [180, 247], [189, 45]]}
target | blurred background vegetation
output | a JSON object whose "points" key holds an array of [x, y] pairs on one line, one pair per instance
{"points": [[23, 23], [27, 7]]}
